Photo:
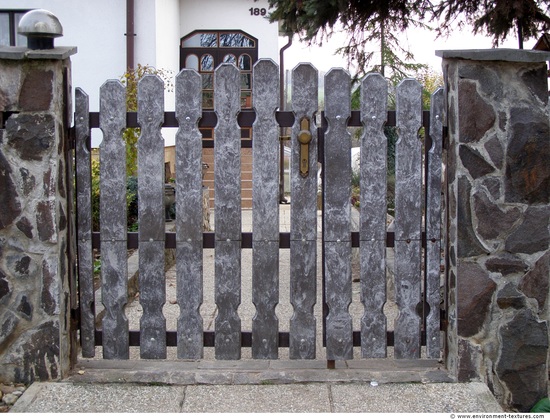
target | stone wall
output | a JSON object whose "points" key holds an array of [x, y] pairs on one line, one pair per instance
{"points": [[34, 217], [499, 187]]}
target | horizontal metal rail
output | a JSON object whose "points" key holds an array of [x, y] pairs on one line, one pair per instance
{"points": [[246, 240], [246, 119], [246, 338]]}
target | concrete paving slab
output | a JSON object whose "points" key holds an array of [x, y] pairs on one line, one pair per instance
{"points": [[364, 397], [413, 398], [62, 397], [291, 398]]}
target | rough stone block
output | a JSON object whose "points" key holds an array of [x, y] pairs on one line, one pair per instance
{"points": [[522, 361], [474, 293], [477, 116], [45, 221], [10, 208], [535, 283], [10, 82], [494, 148], [506, 264], [533, 234], [4, 287], [8, 323], [510, 297], [468, 245], [49, 297], [492, 220], [20, 266], [528, 153], [472, 160], [37, 91], [470, 357], [487, 79], [24, 307], [25, 226], [35, 356], [535, 80], [31, 136], [27, 181]]}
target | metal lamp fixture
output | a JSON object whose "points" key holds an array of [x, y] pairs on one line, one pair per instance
{"points": [[40, 27]]}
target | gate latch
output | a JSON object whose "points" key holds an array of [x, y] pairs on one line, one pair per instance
{"points": [[304, 137]]}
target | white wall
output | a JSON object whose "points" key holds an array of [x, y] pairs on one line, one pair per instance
{"points": [[168, 34], [167, 42], [145, 27], [97, 29], [232, 14]]}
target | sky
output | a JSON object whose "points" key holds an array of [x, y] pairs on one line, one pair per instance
{"points": [[422, 43]]}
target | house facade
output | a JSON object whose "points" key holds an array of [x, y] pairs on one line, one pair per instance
{"points": [[112, 36]]}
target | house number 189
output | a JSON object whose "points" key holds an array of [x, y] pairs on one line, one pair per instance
{"points": [[256, 11]]}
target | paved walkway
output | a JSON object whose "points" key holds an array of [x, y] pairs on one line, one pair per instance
{"points": [[363, 397], [294, 386]]}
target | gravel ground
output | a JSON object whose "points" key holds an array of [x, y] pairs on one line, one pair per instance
{"points": [[246, 310], [9, 394]]}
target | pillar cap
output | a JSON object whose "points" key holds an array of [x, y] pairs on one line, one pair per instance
{"points": [[40, 23], [497, 54], [40, 27]]}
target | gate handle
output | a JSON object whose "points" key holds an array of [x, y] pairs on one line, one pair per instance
{"points": [[304, 138]]}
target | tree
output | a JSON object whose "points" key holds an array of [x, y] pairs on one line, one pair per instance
{"points": [[364, 22], [311, 16], [390, 51], [497, 18], [430, 80]]}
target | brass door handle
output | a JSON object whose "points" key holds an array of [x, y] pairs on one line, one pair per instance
{"points": [[304, 138]]}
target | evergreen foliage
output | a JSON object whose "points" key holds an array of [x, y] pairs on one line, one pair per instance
{"points": [[498, 19], [526, 18]]}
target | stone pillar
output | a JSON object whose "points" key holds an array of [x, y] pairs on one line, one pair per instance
{"points": [[35, 185], [498, 223]]}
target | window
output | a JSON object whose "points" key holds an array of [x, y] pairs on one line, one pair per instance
{"points": [[9, 20], [203, 51], [245, 66], [206, 50]]}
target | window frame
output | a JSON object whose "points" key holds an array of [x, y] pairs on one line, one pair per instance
{"points": [[11, 22], [219, 52]]}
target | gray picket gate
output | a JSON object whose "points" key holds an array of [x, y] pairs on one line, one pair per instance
{"points": [[417, 218]]}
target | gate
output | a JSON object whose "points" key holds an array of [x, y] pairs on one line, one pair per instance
{"points": [[315, 138]]}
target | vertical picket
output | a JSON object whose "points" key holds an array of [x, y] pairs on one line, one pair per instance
{"points": [[408, 220], [114, 269], [189, 239], [373, 167], [433, 226], [337, 216], [152, 285], [265, 196], [84, 228], [303, 217], [227, 187]]}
